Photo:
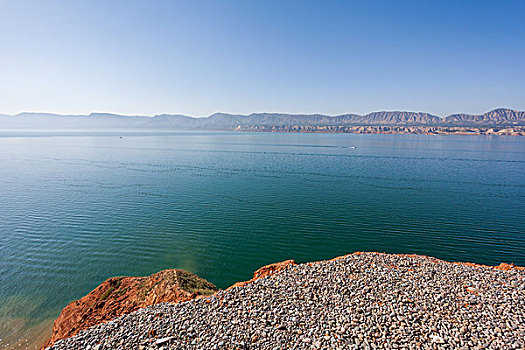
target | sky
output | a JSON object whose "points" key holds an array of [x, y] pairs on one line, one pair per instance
{"points": [[201, 57]]}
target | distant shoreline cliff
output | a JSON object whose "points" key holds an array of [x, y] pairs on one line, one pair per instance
{"points": [[382, 129], [499, 121]]}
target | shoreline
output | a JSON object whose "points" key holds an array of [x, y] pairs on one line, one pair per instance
{"points": [[493, 130], [392, 130], [32, 337]]}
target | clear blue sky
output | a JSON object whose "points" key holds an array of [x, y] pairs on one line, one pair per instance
{"points": [[199, 57]]}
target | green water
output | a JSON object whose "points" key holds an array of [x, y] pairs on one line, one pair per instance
{"points": [[76, 208]]}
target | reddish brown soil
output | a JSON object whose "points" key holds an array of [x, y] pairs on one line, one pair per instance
{"points": [[266, 271], [121, 295]]}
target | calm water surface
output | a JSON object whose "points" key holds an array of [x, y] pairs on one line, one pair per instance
{"points": [[76, 208]]}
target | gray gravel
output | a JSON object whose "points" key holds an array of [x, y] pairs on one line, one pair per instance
{"points": [[359, 302]]}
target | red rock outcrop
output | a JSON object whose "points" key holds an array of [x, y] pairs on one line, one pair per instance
{"points": [[266, 271], [121, 295]]}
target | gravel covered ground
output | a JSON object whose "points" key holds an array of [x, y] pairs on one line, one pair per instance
{"points": [[357, 302]]}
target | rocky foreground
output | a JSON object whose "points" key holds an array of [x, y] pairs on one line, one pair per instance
{"points": [[363, 300]]}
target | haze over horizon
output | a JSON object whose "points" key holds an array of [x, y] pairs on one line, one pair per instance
{"points": [[201, 57], [104, 113]]}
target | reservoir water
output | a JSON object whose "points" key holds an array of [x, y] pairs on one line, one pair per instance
{"points": [[79, 207]]}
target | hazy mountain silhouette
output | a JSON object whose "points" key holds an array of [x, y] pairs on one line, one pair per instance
{"points": [[225, 121]]}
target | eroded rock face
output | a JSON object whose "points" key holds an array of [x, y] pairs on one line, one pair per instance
{"points": [[266, 271], [121, 295]]}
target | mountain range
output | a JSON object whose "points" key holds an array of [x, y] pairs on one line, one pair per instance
{"points": [[225, 121]]}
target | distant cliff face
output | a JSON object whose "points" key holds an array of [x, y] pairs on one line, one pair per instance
{"points": [[224, 121], [495, 117], [401, 118], [121, 295]]}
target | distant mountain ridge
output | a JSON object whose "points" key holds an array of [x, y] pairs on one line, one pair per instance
{"points": [[225, 121], [496, 116]]}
